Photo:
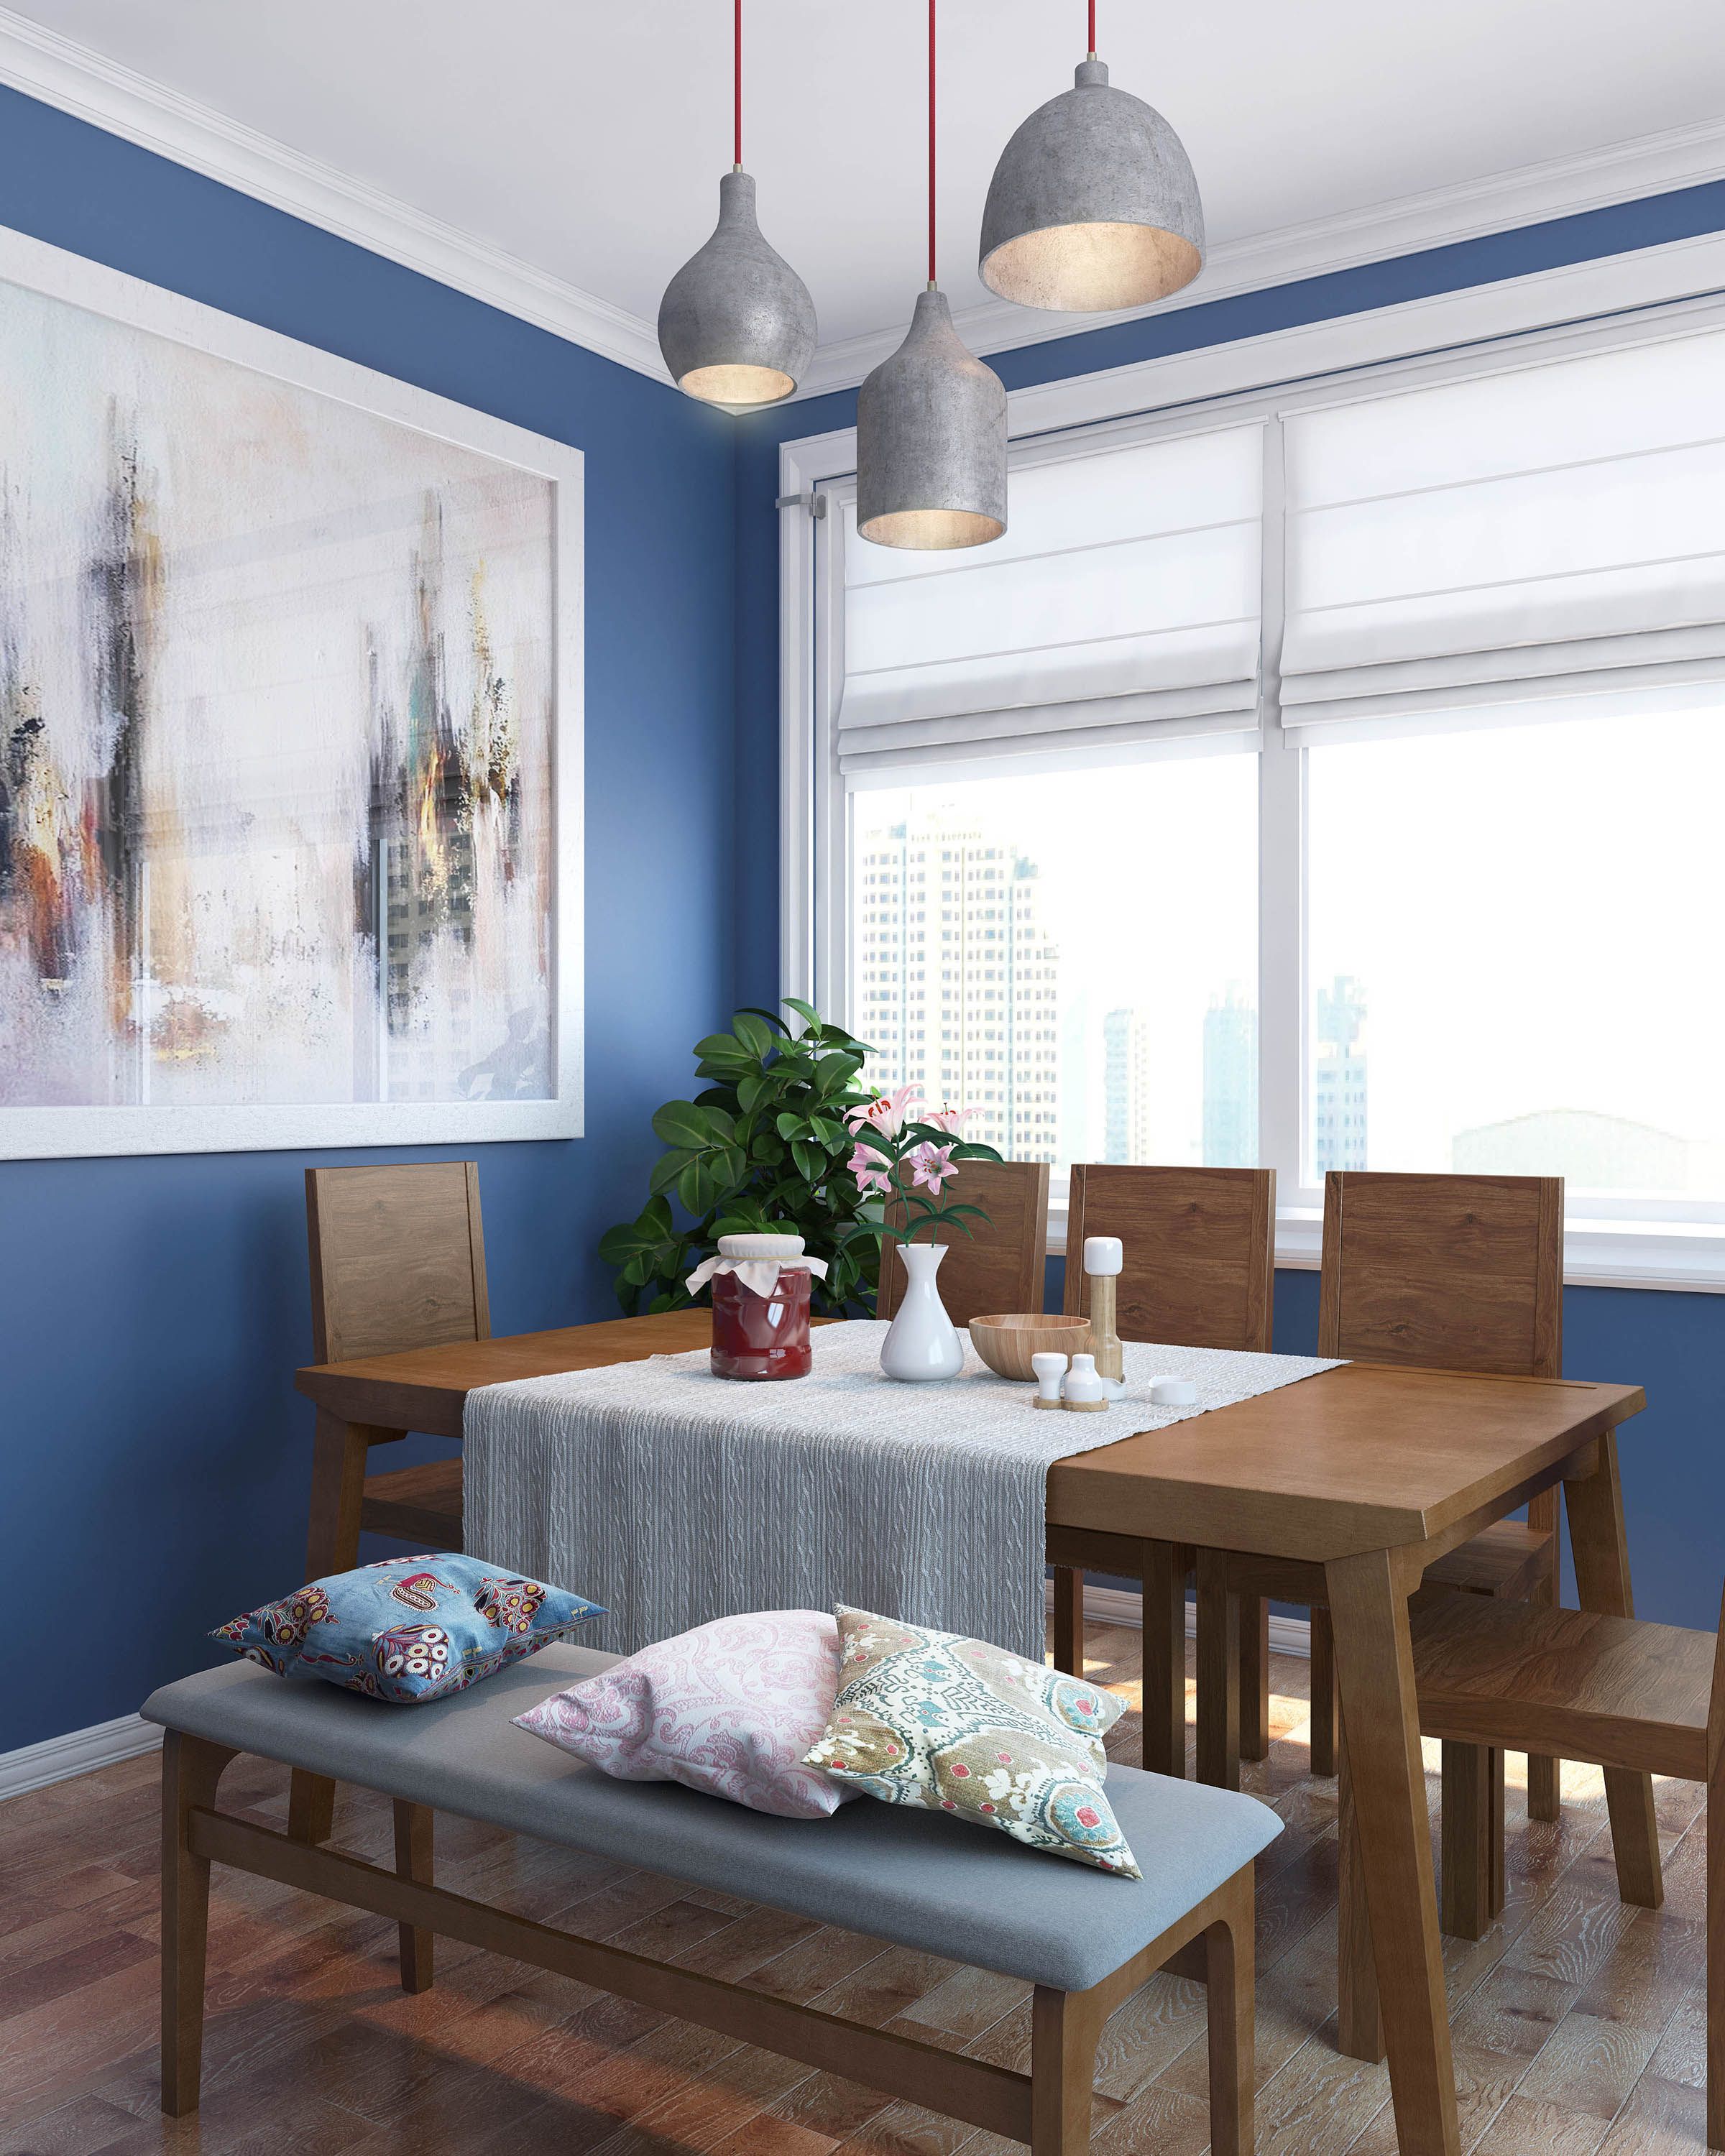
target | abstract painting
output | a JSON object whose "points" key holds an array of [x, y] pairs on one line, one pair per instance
{"points": [[280, 680]]}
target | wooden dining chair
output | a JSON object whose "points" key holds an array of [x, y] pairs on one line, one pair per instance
{"points": [[1199, 1247], [1632, 1697], [999, 1267], [398, 1261], [1456, 1272]]}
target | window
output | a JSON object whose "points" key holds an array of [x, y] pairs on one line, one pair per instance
{"points": [[1325, 778]]}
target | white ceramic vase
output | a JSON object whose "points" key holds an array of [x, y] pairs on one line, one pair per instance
{"points": [[922, 1344]]}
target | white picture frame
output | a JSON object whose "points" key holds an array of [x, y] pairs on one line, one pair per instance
{"points": [[29, 1130]]}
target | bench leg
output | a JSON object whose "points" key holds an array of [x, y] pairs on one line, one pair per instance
{"points": [[1228, 1975], [1253, 1677], [1069, 1619], [413, 1860], [1471, 1828], [190, 1771], [1065, 2027]]}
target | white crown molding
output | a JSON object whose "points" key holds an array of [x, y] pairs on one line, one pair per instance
{"points": [[75, 78], [1531, 194], [79, 81], [79, 1751]]}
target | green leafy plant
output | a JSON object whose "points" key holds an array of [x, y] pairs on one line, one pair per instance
{"points": [[763, 1147]]}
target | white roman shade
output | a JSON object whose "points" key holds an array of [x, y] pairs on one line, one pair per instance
{"points": [[1121, 605], [1553, 531]]}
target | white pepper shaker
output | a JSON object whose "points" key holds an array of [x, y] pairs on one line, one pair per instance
{"points": [[1050, 1368]]}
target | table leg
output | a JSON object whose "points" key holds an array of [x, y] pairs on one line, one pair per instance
{"points": [[1380, 1720], [1218, 1673], [1594, 1497], [1069, 1619], [338, 1482], [1163, 1568], [1253, 1677], [1359, 2026]]}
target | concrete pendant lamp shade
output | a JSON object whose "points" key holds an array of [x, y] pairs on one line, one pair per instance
{"points": [[1093, 205], [736, 325], [930, 440]]}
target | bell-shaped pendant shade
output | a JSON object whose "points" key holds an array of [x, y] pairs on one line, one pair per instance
{"points": [[736, 325], [1093, 205], [930, 440]]}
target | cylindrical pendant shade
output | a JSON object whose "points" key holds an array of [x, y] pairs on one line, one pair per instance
{"points": [[1093, 205], [736, 325], [930, 440]]}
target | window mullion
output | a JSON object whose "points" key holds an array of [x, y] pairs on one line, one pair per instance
{"points": [[1281, 910]]}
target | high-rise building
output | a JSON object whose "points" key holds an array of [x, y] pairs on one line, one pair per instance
{"points": [[1127, 1044], [1230, 1083], [958, 982], [1339, 1101]]}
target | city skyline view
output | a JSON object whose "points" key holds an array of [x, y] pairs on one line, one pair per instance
{"points": [[1123, 1018]]}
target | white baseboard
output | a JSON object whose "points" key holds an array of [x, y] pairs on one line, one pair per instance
{"points": [[1120, 1605], [79, 1751]]}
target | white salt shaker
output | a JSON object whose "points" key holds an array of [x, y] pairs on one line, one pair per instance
{"points": [[1050, 1368], [1083, 1388]]}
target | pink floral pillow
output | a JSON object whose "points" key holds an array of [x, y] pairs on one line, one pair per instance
{"points": [[728, 1709]]}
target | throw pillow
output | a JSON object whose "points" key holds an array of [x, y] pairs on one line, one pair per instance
{"points": [[728, 1709], [954, 1725], [408, 1630]]}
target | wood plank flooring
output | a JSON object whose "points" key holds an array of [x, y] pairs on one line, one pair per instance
{"points": [[1578, 2022]]}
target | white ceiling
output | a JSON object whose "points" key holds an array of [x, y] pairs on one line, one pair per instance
{"points": [[587, 141]]}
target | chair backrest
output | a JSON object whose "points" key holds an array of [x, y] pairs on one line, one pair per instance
{"points": [[397, 1258], [1199, 1250], [1461, 1272], [999, 1268]]}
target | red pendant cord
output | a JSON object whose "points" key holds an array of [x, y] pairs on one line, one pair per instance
{"points": [[931, 143], [1093, 28], [736, 90]]}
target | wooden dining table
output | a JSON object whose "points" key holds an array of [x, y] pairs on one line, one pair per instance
{"points": [[1366, 1472]]}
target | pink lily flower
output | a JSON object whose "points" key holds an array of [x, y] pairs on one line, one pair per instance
{"points": [[869, 1167], [933, 1165], [888, 1113], [947, 1118]]}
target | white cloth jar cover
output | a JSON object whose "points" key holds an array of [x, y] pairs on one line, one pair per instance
{"points": [[757, 1261], [1121, 605], [1554, 530]]}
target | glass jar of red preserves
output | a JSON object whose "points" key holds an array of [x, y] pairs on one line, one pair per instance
{"points": [[757, 1335]]}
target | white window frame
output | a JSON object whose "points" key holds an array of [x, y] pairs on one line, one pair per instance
{"points": [[1651, 295]]}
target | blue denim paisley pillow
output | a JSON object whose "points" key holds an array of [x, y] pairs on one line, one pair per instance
{"points": [[410, 1629]]}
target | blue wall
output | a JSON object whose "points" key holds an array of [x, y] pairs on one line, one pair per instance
{"points": [[1673, 1457], [153, 1454]]}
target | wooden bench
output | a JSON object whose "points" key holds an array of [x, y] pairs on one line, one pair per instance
{"points": [[1086, 1940]]}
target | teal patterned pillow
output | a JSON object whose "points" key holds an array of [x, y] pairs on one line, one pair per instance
{"points": [[411, 1628], [954, 1725]]}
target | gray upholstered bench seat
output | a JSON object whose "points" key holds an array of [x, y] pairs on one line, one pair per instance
{"points": [[915, 1878]]}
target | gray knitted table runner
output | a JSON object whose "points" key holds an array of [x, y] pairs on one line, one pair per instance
{"points": [[674, 1496]]}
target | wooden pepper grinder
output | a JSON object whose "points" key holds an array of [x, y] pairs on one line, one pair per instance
{"points": [[1103, 1258]]}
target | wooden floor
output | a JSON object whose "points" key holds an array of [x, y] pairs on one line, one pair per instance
{"points": [[1578, 2022]]}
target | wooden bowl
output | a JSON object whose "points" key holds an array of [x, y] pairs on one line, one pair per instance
{"points": [[1006, 1344]]}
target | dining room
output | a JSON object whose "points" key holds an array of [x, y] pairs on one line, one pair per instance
{"points": [[659, 891]]}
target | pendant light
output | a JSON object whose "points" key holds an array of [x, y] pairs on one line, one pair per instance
{"points": [[1093, 205], [931, 423], [736, 325]]}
